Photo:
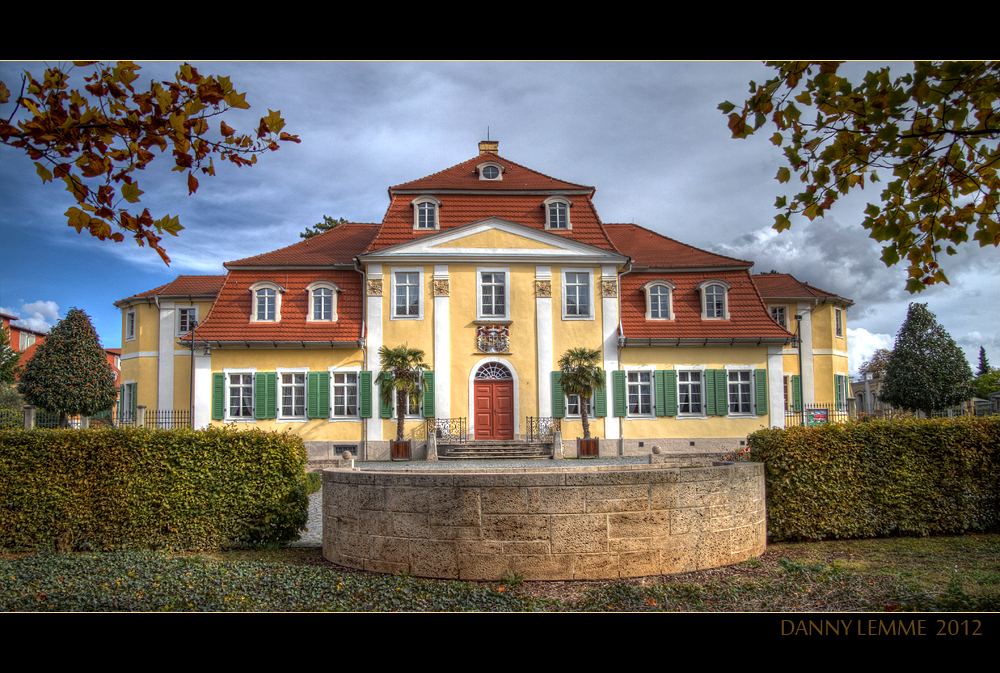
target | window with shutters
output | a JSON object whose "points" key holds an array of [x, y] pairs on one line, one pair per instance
{"points": [[240, 396], [292, 394], [344, 394], [691, 392]]}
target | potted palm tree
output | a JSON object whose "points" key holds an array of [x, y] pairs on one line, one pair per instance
{"points": [[399, 382], [582, 376]]}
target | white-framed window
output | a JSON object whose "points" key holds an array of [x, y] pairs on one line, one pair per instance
{"points": [[691, 392], [639, 394], [128, 390], [493, 293], [577, 294], [557, 213], [490, 170], [741, 392], [780, 315], [344, 394], [130, 325], [187, 317], [573, 407], [659, 299], [839, 317], [714, 299], [292, 394], [26, 339], [322, 301], [239, 396], [407, 294], [266, 301], [425, 213]]}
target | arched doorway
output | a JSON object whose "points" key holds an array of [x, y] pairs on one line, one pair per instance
{"points": [[493, 405]]}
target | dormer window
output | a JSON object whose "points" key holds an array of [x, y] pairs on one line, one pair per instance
{"points": [[557, 213], [425, 213], [490, 170], [322, 301], [659, 300], [714, 299], [266, 301]]}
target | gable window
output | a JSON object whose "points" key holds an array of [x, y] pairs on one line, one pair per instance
{"points": [[659, 300], [494, 296], [266, 301], [840, 322], [714, 299], [187, 319], [557, 213], [425, 213], [322, 301], [130, 326], [577, 303], [406, 294], [490, 170], [778, 313]]}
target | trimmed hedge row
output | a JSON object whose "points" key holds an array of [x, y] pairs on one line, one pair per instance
{"points": [[881, 478], [134, 488]]}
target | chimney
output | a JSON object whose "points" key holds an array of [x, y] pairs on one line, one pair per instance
{"points": [[488, 147]]}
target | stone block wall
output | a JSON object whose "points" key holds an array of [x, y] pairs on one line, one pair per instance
{"points": [[559, 524]]}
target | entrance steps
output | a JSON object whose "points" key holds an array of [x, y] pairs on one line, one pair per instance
{"points": [[494, 449]]}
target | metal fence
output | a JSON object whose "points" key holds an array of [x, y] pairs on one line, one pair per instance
{"points": [[542, 428], [166, 419], [818, 414], [450, 430]]}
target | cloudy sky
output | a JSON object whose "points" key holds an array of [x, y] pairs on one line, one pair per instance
{"points": [[648, 136]]}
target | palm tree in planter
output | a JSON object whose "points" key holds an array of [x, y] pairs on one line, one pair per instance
{"points": [[582, 376], [399, 380]]}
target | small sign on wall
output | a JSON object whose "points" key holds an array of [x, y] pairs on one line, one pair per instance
{"points": [[817, 416]]}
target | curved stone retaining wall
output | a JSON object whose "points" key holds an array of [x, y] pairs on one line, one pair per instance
{"points": [[558, 524]]}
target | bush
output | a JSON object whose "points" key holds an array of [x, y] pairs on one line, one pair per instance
{"points": [[313, 482], [881, 478], [134, 488]]}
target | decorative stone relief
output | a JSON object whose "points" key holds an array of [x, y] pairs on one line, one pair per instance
{"points": [[543, 288], [374, 287], [609, 288], [441, 288]]}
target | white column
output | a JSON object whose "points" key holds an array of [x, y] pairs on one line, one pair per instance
{"points": [[202, 391], [165, 363], [775, 387], [609, 329], [543, 320], [808, 388], [374, 322], [442, 347]]}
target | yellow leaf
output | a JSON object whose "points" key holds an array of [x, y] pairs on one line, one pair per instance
{"points": [[131, 192], [43, 172], [77, 218]]}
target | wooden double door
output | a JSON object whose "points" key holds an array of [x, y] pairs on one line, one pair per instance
{"points": [[494, 407]]}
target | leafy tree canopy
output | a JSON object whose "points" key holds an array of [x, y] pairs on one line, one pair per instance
{"points": [[984, 384], [326, 225], [69, 372], [927, 371], [10, 359], [875, 365], [582, 375], [933, 133], [94, 139]]}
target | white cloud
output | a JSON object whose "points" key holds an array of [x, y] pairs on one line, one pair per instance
{"points": [[42, 315], [862, 344]]}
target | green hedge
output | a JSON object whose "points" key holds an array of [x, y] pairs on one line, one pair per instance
{"points": [[134, 488], [881, 478]]}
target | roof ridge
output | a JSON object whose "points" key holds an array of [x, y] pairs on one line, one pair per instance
{"points": [[491, 157]]}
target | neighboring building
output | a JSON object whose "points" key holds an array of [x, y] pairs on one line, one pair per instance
{"points": [[21, 338], [824, 380], [493, 270]]}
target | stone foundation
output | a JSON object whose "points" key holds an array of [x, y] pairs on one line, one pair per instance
{"points": [[553, 524]]}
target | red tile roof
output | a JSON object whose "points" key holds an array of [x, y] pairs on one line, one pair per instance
{"points": [[785, 286], [229, 319], [340, 245], [182, 286], [650, 249], [464, 176]]}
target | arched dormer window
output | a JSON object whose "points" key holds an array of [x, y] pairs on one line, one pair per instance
{"points": [[425, 213], [490, 170], [557, 213], [266, 301], [322, 301], [714, 299], [659, 299]]}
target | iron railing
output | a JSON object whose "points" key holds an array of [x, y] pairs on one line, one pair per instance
{"points": [[167, 419], [541, 428], [451, 430]]}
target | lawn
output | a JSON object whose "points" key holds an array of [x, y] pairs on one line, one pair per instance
{"points": [[894, 574]]}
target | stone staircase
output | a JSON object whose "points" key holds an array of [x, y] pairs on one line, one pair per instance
{"points": [[494, 449]]}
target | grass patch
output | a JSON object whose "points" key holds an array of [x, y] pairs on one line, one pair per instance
{"points": [[897, 574]]}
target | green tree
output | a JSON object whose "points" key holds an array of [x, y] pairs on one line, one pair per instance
{"points": [[984, 364], [326, 225], [927, 371], [10, 359], [582, 376], [69, 372], [987, 383], [935, 131], [875, 365], [100, 134], [399, 380]]}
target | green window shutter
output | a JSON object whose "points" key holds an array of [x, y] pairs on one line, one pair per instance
{"points": [[318, 394], [601, 403], [428, 394], [760, 379], [796, 393], [708, 391], [839, 391], [721, 392], [660, 392], [670, 392], [558, 399], [135, 400], [218, 397], [365, 394], [121, 401], [619, 390], [266, 395]]}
